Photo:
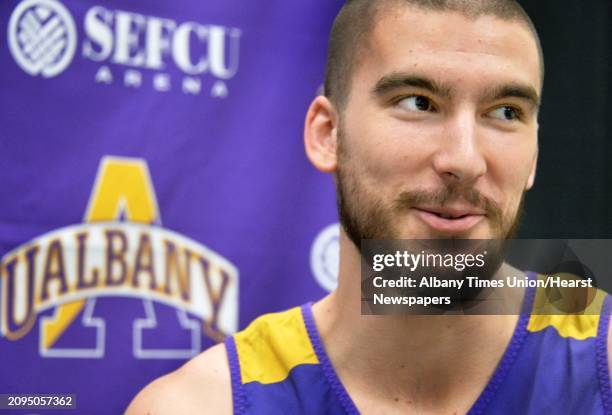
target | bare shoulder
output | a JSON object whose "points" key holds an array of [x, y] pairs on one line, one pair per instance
{"points": [[202, 385]]}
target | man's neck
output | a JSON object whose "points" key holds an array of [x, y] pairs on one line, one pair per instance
{"points": [[422, 363]]}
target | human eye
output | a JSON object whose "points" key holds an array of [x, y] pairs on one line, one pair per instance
{"points": [[506, 113], [415, 103]]}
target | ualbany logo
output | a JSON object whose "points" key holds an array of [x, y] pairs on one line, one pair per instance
{"points": [[121, 250], [42, 37]]}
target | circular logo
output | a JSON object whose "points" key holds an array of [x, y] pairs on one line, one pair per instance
{"points": [[42, 37], [325, 256]]}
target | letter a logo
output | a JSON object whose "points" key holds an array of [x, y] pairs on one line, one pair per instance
{"points": [[123, 190]]}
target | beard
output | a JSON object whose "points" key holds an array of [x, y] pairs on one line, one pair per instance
{"points": [[364, 216]]}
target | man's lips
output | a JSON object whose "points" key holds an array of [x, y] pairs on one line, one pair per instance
{"points": [[449, 219]]}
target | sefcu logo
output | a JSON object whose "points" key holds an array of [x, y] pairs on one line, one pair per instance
{"points": [[130, 49], [120, 250], [42, 37]]}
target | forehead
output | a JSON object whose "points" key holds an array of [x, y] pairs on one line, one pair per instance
{"points": [[451, 47]]}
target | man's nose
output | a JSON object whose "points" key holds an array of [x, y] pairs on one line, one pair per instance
{"points": [[459, 158]]}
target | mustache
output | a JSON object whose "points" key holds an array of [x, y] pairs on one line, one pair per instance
{"points": [[415, 198]]}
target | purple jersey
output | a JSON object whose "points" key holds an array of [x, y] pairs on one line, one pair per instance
{"points": [[554, 364]]}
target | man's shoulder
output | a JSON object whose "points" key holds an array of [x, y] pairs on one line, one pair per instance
{"points": [[202, 385]]}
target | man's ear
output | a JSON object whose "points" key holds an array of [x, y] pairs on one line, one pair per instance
{"points": [[320, 135], [532, 172]]}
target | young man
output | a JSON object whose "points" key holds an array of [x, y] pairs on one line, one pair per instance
{"points": [[429, 125]]}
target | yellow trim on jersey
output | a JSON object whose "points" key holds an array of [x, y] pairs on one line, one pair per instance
{"points": [[272, 345], [548, 311]]}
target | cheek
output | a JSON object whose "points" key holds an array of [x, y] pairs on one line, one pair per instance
{"points": [[387, 152], [510, 168]]}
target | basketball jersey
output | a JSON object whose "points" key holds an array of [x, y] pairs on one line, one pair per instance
{"points": [[554, 364]]}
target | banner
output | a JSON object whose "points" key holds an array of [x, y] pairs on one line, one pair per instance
{"points": [[155, 196]]}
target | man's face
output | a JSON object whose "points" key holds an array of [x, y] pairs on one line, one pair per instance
{"points": [[439, 135]]}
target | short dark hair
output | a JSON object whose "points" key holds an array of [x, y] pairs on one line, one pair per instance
{"points": [[356, 21]]}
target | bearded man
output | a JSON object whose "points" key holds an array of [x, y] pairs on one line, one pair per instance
{"points": [[429, 124]]}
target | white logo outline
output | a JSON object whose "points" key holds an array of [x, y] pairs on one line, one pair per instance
{"points": [[324, 257], [45, 43], [150, 322], [87, 320]]}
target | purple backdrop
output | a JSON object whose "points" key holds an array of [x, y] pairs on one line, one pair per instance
{"points": [[154, 191]]}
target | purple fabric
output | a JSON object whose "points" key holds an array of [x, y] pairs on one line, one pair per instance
{"points": [[238, 398], [209, 99], [603, 365]]}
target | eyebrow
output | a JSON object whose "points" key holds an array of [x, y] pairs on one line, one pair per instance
{"points": [[394, 81], [524, 92]]}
